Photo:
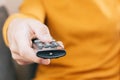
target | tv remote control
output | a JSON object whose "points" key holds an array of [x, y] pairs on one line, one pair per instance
{"points": [[48, 50]]}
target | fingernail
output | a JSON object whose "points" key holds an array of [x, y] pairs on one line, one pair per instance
{"points": [[45, 61]]}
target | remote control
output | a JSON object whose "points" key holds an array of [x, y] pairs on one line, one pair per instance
{"points": [[48, 50]]}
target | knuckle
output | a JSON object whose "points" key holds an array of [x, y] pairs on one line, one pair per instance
{"points": [[12, 48], [45, 28], [38, 60], [23, 51], [21, 63], [15, 57]]}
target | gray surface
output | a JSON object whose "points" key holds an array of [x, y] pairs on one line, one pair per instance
{"points": [[25, 72], [7, 71]]}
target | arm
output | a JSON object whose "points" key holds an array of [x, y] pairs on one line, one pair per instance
{"points": [[20, 28], [29, 9]]}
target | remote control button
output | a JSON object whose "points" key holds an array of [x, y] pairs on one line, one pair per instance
{"points": [[37, 41], [40, 45], [47, 45], [54, 44], [50, 53]]}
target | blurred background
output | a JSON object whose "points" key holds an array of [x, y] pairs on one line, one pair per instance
{"points": [[9, 70], [11, 5]]}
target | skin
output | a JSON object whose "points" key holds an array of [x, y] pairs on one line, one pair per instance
{"points": [[20, 33]]}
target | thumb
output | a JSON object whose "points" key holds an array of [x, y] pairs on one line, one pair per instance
{"points": [[41, 31]]}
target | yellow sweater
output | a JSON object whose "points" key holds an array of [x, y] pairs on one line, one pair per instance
{"points": [[90, 31]]}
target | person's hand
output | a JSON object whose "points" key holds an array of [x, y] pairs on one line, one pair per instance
{"points": [[20, 33]]}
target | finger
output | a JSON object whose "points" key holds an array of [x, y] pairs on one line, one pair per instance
{"points": [[20, 62], [12, 45], [17, 57], [41, 31], [34, 58], [37, 59], [28, 53], [13, 48], [60, 43], [45, 61], [25, 49], [24, 45]]}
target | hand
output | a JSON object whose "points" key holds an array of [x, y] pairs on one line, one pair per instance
{"points": [[20, 33]]}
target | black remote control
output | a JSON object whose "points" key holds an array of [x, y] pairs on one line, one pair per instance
{"points": [[48, 50]]}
